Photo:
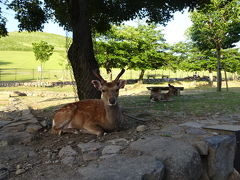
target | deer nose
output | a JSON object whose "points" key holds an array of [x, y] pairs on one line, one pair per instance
{"points": [[112, 100]]}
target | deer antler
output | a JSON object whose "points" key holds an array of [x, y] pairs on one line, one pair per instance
{"points": [[98, 76], [119, 75]]}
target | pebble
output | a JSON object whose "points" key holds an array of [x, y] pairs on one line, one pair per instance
{"points": [[141, 128], [19, 171]]}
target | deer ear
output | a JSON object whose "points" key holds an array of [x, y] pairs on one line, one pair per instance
{"points": [[97, 84], [122, 83]]}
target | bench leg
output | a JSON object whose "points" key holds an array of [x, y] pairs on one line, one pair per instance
{"points": [[178, 92]]}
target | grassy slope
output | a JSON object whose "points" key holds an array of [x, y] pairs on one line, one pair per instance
{"points": [[16, 50]]}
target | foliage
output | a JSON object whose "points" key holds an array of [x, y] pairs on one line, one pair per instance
{"points": [[216, 26], [139, 48], [42, 51], [85, 16]]}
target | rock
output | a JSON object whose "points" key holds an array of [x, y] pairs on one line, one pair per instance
{"points": [[221, 156], [173, 130], [234, 175], [91, 146], [67, 155], [111, 149], [33, 128], [20, 171], [122, 167], [181, 160], [10, 138], [90, 155], [192, 124], [119, 141], [141, 128], [4, 173], [67, 151]]}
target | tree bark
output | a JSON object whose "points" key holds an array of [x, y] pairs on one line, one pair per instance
{"points": [[226, 80], [81, 53], [140, 79], [219, 67], [210, 77]]}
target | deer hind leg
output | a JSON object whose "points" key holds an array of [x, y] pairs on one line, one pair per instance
{"points": [[61, 122], [94, 129]]}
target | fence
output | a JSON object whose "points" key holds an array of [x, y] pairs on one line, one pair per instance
{"points": [[16, 74]]}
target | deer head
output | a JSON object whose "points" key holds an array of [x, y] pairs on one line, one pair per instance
{"points": [[110, 90]]}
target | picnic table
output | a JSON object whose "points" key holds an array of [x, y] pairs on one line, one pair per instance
{"points": [[162, 88]]}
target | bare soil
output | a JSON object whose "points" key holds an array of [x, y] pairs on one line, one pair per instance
{"points": [[40, 157]]}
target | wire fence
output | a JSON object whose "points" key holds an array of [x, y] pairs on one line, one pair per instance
{"points": [[17, 74]]}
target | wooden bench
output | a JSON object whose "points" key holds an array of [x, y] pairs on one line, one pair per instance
{"points": [[166, 88]]}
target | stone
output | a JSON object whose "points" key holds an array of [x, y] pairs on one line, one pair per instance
{"points": [[20, 171], [68, 155], [181, 160], [68, 160], [119, 141], [91, 146], [67, 151], [220, 158], [90, 155], [10, 138], [234, 175], [123, 167], [4, 173], [224, 127], [141, 128], [172, 131], [111, 149], [192, 124], [33, 128]]}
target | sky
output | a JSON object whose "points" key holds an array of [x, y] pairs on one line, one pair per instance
{"points": [[174, 31]]}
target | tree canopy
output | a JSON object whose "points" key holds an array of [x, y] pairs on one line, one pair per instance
{"points": [[216, 26], [83, 17]]}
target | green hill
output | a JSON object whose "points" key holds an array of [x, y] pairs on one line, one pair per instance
{"points": [[16, 50], [22, 41]]}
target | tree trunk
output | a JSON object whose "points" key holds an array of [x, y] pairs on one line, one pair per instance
{"points": [[210, 77], [140, 79], [109, 72], [80, 53], [226, 80], [219, 67]]}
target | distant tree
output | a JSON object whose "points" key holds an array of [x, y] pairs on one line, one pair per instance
{"points": [[42, 51], [83, 17], [148, 47], [216, 26]]}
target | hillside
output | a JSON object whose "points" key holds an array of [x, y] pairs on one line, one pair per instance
{"points": [[22, 41], [16, 50]]}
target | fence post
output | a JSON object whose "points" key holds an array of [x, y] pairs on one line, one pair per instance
{"points": [[33, 74], [15, 74]]}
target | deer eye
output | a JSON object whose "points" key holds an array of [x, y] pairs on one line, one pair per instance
{"points": [[103, 90]]}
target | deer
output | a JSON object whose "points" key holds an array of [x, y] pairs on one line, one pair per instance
{"points": [[158, 96], [92, 116]]}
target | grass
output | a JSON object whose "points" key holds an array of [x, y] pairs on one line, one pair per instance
{"points": [[16, 52], [195, 101], [22, 41]]}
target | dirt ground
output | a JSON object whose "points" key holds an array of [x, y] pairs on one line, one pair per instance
{"points": [[40, 157]]}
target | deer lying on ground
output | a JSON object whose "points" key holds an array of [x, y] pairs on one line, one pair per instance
{"points": [[93, 116], [158, 96]]}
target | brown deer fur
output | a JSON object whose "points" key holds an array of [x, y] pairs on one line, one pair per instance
{"points": [[94, 116], [158, 96]]}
